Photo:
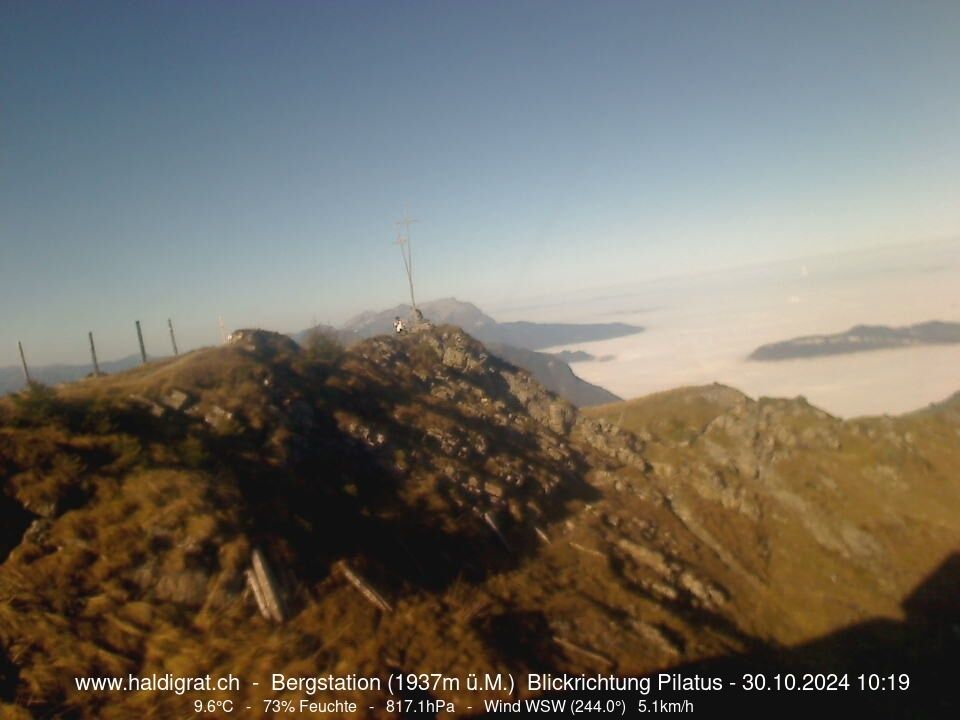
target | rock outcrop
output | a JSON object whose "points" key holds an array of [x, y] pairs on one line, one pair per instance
{"points": [[416, 502]]}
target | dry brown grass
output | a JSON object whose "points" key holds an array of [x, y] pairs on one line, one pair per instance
{"points": [[148, 525]]}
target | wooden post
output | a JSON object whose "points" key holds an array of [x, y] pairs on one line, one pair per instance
{"points": [[488, 519], [23, 360], [173, 338], [366, 590], [598, 658], [265, 588], [93, 356], [143, 350]]}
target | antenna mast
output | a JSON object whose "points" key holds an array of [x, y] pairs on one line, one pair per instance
{"points": [[403, 240]]}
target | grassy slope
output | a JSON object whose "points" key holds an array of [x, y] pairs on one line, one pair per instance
{"points": [[735, 522], [832, 521]]}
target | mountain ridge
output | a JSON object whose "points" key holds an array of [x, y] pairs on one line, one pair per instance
{"points": [[503, 527], [522, 334], [553, 371], [860, 338]]}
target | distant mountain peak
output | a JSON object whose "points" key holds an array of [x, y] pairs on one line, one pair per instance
{"points": [[522, 334], [514, 341], [860, 338]]}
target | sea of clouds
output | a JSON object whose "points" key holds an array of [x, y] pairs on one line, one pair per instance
{"points": [[700, 329]]}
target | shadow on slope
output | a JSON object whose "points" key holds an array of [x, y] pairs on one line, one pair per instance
{"points": [[365, 458], [918, 653]]}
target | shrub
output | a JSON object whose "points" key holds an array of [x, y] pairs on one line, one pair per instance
{"points": [[323, 347], [38, 404], [96, 418], [424, 355]]}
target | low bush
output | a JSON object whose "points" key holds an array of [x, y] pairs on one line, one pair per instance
{"points": [[37, 404], [323, 347]]}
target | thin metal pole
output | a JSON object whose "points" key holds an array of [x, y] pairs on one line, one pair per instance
{"points": [[143, 350], [93, 355], [173, 338], [402, 242], [406, 249], [23, 360], [413, 302]]}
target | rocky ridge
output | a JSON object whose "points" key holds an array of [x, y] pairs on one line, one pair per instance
{"points": [[502, 528]]}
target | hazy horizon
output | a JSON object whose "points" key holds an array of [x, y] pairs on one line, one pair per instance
{"points": [[248, 160], [700, 330], [575, 306]]}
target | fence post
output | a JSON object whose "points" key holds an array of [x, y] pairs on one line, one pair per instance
{"points": [[93, 356], [23, 360], [173, 338], [143, 350]]}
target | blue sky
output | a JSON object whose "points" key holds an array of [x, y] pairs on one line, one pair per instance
{"points": [[196, 159]]}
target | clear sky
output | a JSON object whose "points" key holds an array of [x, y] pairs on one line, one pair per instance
{"points": [[196, 159]]}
